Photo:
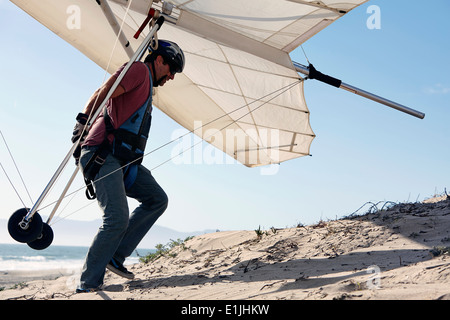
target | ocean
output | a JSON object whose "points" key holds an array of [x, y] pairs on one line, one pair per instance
{"points": [[20, 257]]}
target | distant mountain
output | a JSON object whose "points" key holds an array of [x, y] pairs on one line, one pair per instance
{"points": [[80, 233]]}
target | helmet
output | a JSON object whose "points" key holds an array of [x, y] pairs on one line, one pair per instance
{"points": [[171, 53]]}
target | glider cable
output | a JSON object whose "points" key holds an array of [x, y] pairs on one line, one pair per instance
{"points": [[282, 90], [301, 46], [12, 185], [7, 176], [276, 93]]}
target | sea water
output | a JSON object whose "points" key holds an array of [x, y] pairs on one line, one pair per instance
{"points": [[21, 257]]}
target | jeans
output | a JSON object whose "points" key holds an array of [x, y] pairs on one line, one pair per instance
{"points": [[120, 232]]}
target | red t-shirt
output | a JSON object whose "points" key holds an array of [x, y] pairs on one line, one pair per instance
{"points": [[136, 83]]}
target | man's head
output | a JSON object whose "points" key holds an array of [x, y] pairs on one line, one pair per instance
{"points": [[166, 60]]}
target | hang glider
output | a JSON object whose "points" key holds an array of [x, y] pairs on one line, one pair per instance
{"points": [[239, 91], [239, 79]]}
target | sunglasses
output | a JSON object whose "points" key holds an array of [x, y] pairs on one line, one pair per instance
{"points": [[173, 68]]}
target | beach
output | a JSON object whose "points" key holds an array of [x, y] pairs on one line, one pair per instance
{"points": [[400, 252], [17, 278]]}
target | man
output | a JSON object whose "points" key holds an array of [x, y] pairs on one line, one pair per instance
{"points": [[104, 156]]}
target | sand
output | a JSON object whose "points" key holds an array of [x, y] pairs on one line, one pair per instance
{"points": [[401, 253], [17, 278]]}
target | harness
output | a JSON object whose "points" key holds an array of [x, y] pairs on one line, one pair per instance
{"points": [[128, 145]]}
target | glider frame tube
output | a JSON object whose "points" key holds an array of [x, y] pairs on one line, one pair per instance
{"points": [[116, 27], [136, 55], [310, 71]]}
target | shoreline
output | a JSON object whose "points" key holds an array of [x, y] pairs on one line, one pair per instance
{"points": [[11, 278]]}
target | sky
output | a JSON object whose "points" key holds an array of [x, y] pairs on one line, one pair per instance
{"points": [[363, 151]]}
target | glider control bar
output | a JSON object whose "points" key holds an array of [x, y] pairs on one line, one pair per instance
{"points": [[58, 172], [312, 73]]}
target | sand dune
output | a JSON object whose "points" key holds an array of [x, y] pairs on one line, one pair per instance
{"points": [[398, 253]]}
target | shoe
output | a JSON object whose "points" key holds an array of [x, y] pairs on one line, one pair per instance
{"points": [[119, 269], [81, 290]]}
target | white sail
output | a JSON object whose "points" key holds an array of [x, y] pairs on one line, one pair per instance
{"points": [[239, 90]]}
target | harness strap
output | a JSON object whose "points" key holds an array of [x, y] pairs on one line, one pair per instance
{"points": [[121, 137], [93, 167], [90, 192]]}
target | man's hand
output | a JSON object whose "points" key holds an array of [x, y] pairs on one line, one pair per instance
{"points": [[79, 127], [78, 130]]}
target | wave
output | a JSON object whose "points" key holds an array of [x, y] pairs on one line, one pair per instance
{"points": [[22, 258], [39, 264]]}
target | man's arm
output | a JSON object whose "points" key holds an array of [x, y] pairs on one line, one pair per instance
{"points": [[91, 106], [100, 94]]}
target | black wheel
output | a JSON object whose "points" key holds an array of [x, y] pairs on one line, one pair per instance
{"points": [[24, 231], [44, 240]]}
